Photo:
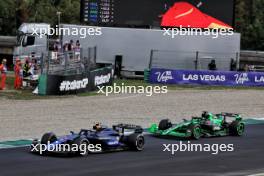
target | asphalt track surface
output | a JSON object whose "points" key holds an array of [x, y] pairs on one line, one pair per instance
{"points": [[248, 158]]}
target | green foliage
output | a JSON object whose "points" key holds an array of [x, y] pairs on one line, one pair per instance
{"points": [[7, 17], [14, 13], [46, 11], [250, 23]]}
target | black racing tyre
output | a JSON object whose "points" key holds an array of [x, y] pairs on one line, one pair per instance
{"points": [[82, 144], [48, 137], [165, 124], [136, 142], [196, 131], [237, 128]]}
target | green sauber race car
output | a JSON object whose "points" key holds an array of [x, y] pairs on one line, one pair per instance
{"points": [[207, 125]]}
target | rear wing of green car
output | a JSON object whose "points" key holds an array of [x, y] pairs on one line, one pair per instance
{"points": [[232, 115]]}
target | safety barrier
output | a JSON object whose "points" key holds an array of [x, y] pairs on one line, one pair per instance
{"points": [[204, 77], [72, 84]]}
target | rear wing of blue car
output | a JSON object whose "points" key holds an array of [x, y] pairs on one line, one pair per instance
{"points": [[123, 127]]}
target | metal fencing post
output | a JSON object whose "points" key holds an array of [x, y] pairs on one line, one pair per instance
{"points": [[196, 60], [151, 58], [89, 53], [81, 55], [88, 60], [48, 66], [41, 63], [65, 55], [237, 61], [95, 54]]}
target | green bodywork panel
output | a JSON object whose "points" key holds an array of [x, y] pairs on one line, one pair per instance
{"points": [[182, 129], [173, 131]]}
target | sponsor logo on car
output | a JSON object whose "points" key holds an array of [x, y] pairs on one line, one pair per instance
{"points": [[113, 143]]}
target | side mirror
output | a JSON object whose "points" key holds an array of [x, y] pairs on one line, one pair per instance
{"points": [[71, 132]]}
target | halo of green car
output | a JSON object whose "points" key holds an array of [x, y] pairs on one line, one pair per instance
{"points": [[208, 125]]}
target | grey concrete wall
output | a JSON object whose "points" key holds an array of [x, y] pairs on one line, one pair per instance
{"points": [[135, 45]]}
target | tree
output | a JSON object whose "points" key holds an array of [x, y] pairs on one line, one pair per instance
{"points": [[250, 23], [7, 17], [14, 13]]}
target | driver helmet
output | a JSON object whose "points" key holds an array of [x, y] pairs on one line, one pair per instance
{"points": [[97, 127], [207, 115]]}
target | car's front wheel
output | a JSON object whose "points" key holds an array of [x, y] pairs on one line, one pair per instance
{"points": [[165, 124], [48, 138], [196, 131]]}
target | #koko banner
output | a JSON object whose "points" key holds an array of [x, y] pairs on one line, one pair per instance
{"points": [[73, 84], [194, 77]]}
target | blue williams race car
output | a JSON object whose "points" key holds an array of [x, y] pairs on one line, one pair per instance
{"points": [[99, 139]]}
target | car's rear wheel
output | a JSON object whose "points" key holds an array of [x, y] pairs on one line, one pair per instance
{"points": [[237, 128], [196, 131], [82, 143], [136, 142], [48, 138], [165, 124]]}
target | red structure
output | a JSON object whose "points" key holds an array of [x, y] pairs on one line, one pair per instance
{"points": [[183, 14]]}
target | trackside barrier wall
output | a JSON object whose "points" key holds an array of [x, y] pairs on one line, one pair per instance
{"points": [[73, 84], [42, 84], [195, 77]]}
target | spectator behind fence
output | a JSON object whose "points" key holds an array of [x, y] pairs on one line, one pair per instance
{"points": [[77, 50], [246, 68], [18, 74], [65, 47], [232, 65], [26, 68], [212, 65], [77, 46], [3, 70], [71, 45], [57, 46], [34, 67], [71, 49]]}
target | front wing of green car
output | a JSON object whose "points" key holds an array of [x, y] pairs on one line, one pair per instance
{"points": [[169, 132]]}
